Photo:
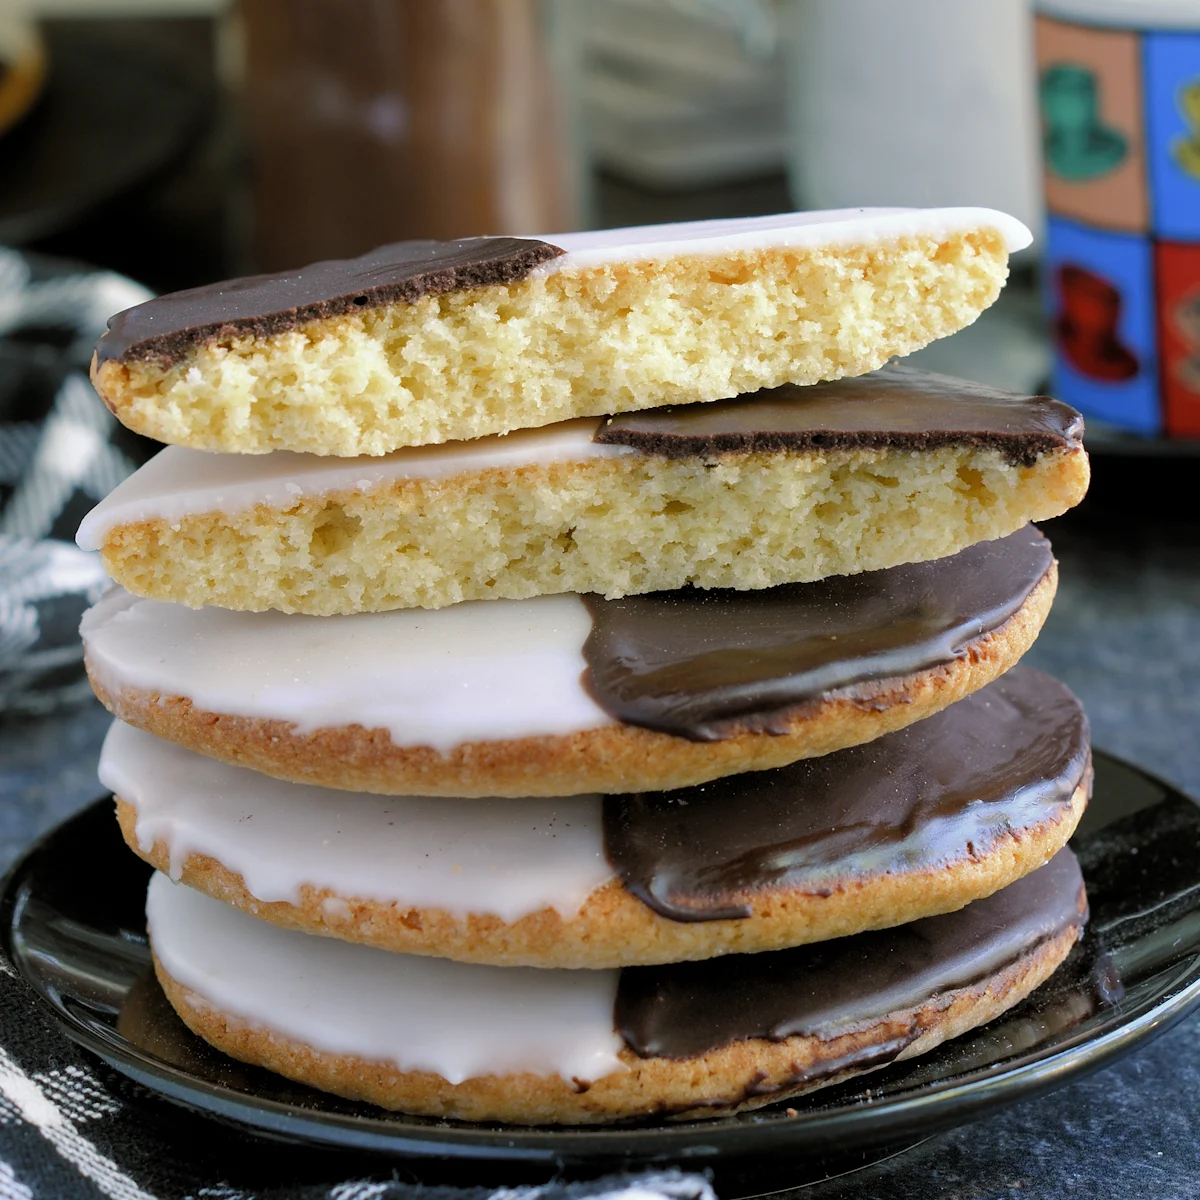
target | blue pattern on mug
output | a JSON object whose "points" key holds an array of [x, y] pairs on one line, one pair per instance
{"points": [[1172, 71]]}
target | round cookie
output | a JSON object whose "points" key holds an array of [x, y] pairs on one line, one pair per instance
{"points": [[790, 485], [424, 342], [562, 695], [917, 823], [581, 1047]]}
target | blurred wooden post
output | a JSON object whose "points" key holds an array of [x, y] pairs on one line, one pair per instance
{"points": [[369, 121]]}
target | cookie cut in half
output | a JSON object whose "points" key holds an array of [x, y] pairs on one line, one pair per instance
{"points": [[424, 342], [918, 822], [515, 1044], [567, 694], [789, 485]]}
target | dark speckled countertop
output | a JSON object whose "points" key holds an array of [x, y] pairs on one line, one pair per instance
{"points": [[1125, 634]]}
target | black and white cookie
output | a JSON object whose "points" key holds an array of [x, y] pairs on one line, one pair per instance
{"points": [[790, 485], [568, 694], [517, 1044], [424, 342]]}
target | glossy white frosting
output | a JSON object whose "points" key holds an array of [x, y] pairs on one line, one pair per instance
{"points": [[505, 858], [456, 1020], [835, 227], [179, 482], [486, 670]]}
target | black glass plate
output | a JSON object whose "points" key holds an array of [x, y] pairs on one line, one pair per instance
{"points": [[71, 916]]}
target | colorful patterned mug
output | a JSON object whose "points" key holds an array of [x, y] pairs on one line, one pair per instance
{"points": [[1119, 90]]}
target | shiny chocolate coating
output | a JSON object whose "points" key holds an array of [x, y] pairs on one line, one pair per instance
{"points": [[848, 984], [166, 328], [1003, 762], [706, 665], [896, 408]]}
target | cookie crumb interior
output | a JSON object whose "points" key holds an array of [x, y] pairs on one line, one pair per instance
{"points": [[610, 526]]}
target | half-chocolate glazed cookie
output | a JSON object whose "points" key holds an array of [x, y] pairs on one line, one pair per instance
{"points": [[565, 694], [786, 486], [422, 342], [918, 822], [560, 1047]]}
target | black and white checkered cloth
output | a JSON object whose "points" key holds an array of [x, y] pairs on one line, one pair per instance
{"points": [[61, 450]]}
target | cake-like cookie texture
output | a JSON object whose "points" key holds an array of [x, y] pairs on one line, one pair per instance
{"points": [[917, 823], [563, 695], [789, 485], [583, 1047], [424, 342]]}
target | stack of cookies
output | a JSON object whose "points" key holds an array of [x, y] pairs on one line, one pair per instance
{"points": [[583, 683]]}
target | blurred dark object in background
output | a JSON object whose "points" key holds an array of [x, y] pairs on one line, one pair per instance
{"points": [[370, 121], [122, 162], [115, 114], [22, 63]]}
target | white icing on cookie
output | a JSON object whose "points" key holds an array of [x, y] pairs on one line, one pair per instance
{"points": [[457, 1020], [179, 482], [486, 670], [807, 230], [505, 858]]}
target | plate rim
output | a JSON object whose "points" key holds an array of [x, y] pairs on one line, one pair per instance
{"points": [[952, 1104]]}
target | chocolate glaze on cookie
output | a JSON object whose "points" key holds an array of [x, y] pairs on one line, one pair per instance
{"points": [[1002, 762], [831, 988], [707, 664], [896, 408], [263, 305]]}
